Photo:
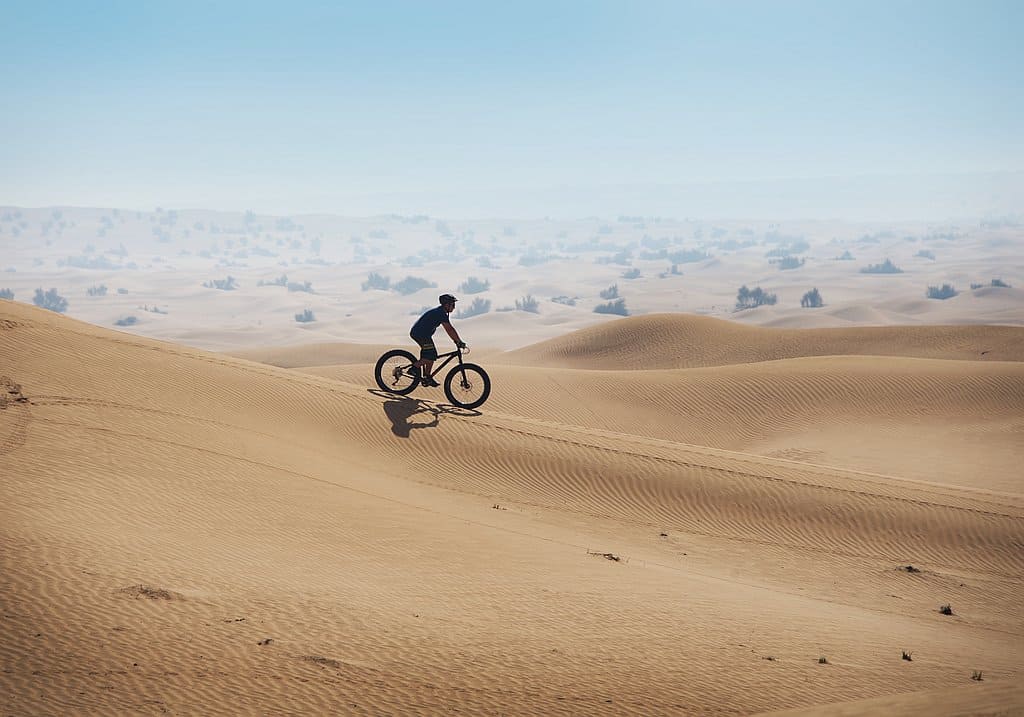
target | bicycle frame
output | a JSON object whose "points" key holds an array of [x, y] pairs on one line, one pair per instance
{"points": [[447, 360]]}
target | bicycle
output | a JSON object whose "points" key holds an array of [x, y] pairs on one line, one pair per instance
{"points": [[466, 385]]}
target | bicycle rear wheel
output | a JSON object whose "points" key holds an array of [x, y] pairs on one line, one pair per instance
{"points": [[467, 386], [394, 372]]}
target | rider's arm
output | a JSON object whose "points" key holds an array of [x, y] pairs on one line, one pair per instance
{"points": [[452, 333]]}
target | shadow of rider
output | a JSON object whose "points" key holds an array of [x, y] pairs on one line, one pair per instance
{"points": [[400, 410]]}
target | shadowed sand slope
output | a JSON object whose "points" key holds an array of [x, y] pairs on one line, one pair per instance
{"points": [[187, 532], [313, 354], [687, 341]]}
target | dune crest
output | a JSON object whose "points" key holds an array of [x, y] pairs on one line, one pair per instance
{"points": [[661, 341]]}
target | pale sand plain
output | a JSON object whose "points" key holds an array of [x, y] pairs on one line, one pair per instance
{"points": [[679, 512]]}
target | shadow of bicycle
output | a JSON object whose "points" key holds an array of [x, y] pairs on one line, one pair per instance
{"points": [[400, 410]]}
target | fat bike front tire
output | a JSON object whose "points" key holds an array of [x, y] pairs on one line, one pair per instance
{"points": [[394, 372], [467, 386]]}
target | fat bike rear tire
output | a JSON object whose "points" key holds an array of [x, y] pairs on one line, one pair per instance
{"points": [[394, 372]]}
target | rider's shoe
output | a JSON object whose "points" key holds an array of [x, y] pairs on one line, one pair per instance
{"points": [[429, 382], [414, 371]]}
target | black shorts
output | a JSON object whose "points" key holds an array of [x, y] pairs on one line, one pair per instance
{"points": [[428, 352]]}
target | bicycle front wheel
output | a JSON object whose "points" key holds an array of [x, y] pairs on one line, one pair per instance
{"points": [[394, 372], [467, 386]]}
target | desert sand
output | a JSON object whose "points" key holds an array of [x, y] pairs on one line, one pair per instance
{"points": [[681, 506], [733, 520]]}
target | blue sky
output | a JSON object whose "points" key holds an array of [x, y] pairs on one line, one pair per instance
{"points": [[476, 108]]}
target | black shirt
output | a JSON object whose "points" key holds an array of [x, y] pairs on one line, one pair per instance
{"points": [[427, 324]]}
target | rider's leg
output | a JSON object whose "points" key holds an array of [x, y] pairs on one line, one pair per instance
{"points": [[428, 352]]}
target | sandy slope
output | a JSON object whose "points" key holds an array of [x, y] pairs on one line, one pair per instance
{"points": [[164, 511]]}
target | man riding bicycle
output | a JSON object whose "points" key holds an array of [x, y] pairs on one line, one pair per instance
{"points": [[423, 334]]}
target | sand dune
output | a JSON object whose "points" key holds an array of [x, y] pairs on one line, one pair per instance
{"points": [[686, 341], [191, 532], [954, 422]]}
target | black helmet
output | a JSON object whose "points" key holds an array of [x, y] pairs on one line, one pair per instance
{"points": [[446, 299]]}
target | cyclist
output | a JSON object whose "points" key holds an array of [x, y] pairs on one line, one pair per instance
{"points": [[423, 334]]}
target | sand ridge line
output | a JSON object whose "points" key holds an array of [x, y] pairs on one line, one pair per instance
{"points": [[733, 456]]}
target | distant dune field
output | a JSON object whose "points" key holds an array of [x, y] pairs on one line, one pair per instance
{"points": [[733, 520]]}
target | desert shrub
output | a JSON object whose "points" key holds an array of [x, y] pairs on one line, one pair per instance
{"points": [[749, 298], [612, 292], [528, 303], [305, 317], [846, 256], [946, 609], [624, 256], [279, 281], [412, 262], [688, 256], [613, 307], [122, 291], [886, 267], [304, 286], [631, 274], [411, 284], [376, 281], [926, 254], [126, 321], [485, 262], [6, 294], [50, 300], [533, 259], [567, 300], [479, 306], [812, 300], [1000, 283], [228, 284], [794, 247], [88, 262], [472, 285], [946, 291], [790, 262], [790, 246], [100, 290]]}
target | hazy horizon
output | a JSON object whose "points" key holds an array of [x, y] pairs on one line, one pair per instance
{"points": [[787, 110]]}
